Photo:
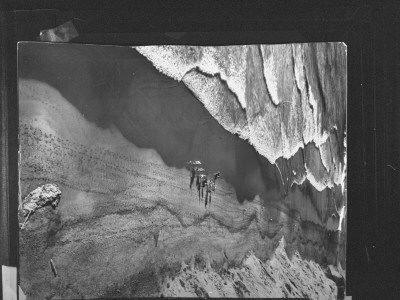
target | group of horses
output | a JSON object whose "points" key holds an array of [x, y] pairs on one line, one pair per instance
{"points": [[203, 180]]}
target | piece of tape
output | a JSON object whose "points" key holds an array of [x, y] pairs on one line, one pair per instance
{"points": [[9, 282], [60, 34]]}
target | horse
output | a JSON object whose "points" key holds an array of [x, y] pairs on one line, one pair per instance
{"points": [[211, 186], [194, 167]]}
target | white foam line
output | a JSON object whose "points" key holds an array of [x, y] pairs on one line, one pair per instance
{"points": [[201, 90], [164, 59], [320, 186], [283, 183], [341, 214], [325, 157], [270, 76]]}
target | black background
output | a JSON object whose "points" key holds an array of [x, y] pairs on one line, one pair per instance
{"points": [[371, 30]]}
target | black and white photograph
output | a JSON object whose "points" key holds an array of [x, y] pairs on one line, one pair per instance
{"points": [[182, 170]]}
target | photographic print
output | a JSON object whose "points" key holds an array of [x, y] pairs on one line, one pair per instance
{"points": [[182, 171]]}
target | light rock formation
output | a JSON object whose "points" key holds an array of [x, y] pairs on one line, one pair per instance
{"points": [[47, 194], [279, 277]]}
